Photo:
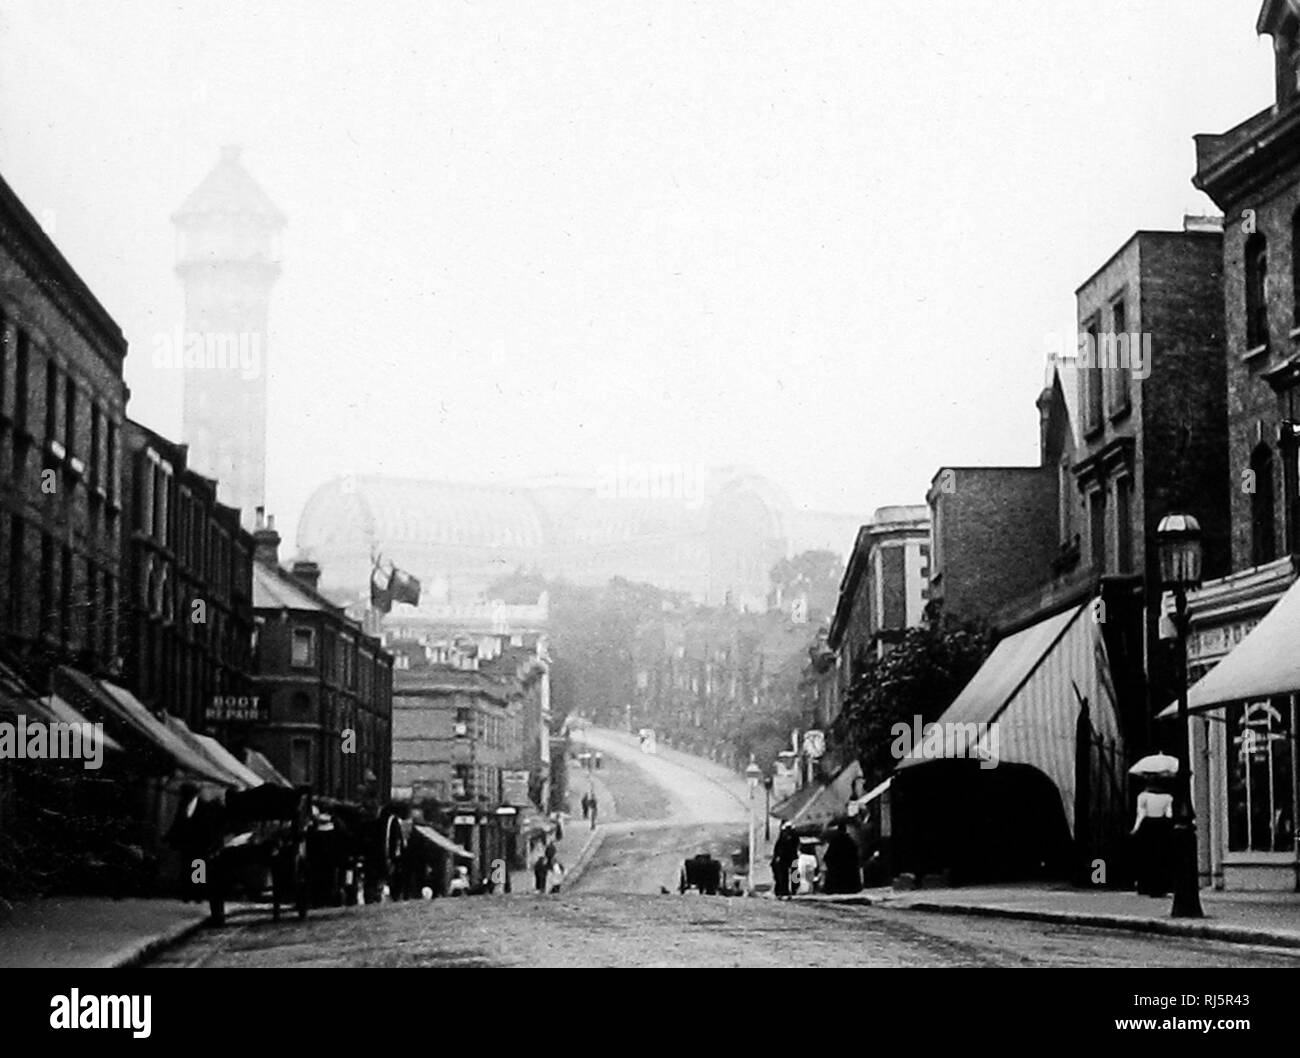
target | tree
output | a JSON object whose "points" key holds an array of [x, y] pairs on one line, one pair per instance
{"points": [[920, 676]]}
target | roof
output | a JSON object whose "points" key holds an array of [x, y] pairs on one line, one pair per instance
{"points": [[275, 589], [229, 191]]}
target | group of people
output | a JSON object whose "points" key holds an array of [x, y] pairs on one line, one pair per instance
{"points": [[548, 871], [843, 872]]}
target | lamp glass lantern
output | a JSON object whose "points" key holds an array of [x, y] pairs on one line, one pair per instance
{"points": [[753, 772], [1178, 541]]}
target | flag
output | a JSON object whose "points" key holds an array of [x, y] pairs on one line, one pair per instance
{"points": [[402, 587], [381, 596]]}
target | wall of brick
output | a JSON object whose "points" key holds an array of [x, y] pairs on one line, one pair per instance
{"points": [[998, 533]]}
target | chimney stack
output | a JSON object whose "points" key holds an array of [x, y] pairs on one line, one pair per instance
{"points": [[307, 571], [266, 540]]}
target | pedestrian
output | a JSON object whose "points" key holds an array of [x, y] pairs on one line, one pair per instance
{"points": [[843, 874], [598, 758], [1153, 829], [540, 870], [460, 884], [554, 875], [559, 827], [586, 806], [784, 854], [593, 811]]}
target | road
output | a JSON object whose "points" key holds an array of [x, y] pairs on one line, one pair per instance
{"points": [[617, 916]]}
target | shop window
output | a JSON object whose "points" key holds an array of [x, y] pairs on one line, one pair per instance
{"points": [[1260, 762]]}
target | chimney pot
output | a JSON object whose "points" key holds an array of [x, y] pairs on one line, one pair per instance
{"points": [[308, 572]]}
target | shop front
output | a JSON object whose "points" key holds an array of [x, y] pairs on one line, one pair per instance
{"points": [[1244, 664]]}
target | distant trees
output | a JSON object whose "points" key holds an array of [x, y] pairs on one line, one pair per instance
{"points": [[815, 574]]}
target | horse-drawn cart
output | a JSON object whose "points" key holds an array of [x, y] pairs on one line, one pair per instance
{"points": [[252, 845]]}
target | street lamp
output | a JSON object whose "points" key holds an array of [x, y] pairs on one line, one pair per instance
{"points": [[1178, 541], [752, 773]]}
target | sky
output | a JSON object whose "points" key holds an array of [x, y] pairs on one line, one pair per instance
{"points": [[825, 240]]}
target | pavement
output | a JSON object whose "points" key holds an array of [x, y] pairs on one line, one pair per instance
{"points": [[80, 932], [1243, 918]]}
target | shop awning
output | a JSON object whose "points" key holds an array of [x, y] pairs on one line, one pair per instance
{"points": [[443, 842], [64, 712], [1030, 687], [789, 807], [263, 768], [18, 699], [131, 715], [215, 753], [825, 803], [1266, 662], [861, 804]]}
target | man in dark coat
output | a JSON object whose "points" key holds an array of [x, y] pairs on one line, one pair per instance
{"points": [[843, 873], [784, 854]]}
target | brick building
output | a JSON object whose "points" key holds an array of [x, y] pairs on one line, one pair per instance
{"points": [[187, 631], [62, 404], [324, 687], [1244, 774], [995, 532], [468, 714]]}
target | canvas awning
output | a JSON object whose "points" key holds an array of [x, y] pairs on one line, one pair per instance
{"points": [[131, 715], [1030, 688], [263, 768], [1266, 662], [861, 804], [443, 842], [824, 803], [214, 752], [64, 712]]}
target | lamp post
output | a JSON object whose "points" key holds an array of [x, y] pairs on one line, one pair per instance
{"points": [[768, 781], [752, 773], [1178, 540]]}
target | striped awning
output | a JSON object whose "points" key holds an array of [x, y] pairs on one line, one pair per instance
{"points": [[1264, 664], [1031, 687]]}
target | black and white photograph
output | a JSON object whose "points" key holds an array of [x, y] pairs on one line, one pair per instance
{"points": [[602, 484]]}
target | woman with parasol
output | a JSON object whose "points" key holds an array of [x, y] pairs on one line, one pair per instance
{"points": [[1153, 826]]}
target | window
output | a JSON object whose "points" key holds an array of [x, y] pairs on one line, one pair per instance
{"points": [[304, 648], [301, 706], [1124, 525], [1093, 380], [95, 439], [69, 414], [1123, 343], [1295, 267], [1065, 501], [300, 761], [1259, 777], [47, 582], [21, 364], [1097, 530], [65, 596], [110, 463], [17, 529], [1256, 291], [51, 400], [1263, 543]]}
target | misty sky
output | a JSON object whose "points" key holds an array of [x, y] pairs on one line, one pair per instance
{"points": [[825, 240]]}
